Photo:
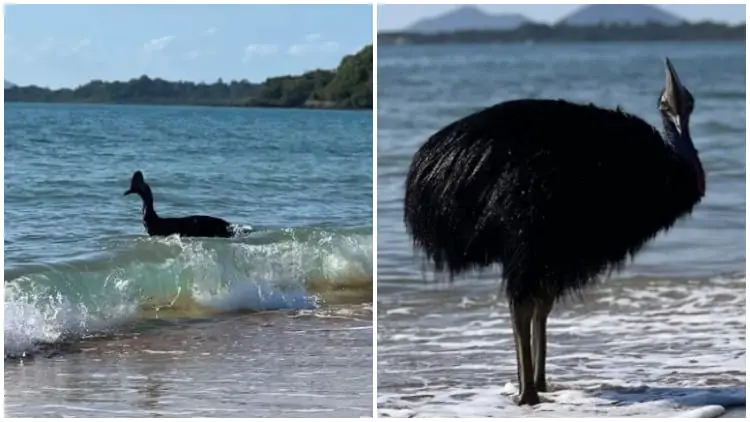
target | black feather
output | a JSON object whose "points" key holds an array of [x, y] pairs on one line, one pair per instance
{"points": [[555, 192]]}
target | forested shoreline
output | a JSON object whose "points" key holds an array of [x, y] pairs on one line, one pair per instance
{"points": [[347, 87]]}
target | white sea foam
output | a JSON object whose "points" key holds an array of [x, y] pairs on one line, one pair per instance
{"points": [[497, 402], [651, 348], [36, 316]]}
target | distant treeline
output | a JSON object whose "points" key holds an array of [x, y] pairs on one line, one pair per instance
{"points": [[534, 32], [349, 86]]}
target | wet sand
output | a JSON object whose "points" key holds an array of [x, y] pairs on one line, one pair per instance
{"points": [[735, 412], [271, 364]]}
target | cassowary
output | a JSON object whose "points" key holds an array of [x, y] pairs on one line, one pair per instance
{"points": [[557, 193], [192, 226]]}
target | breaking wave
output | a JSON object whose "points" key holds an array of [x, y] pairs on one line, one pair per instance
{"points": [[140, 278]]}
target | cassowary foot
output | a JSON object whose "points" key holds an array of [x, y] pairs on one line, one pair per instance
{"points": [[529, 397]]}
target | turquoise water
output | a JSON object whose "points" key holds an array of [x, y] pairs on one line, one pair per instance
{"points": [[79, 265], [678, 310]]}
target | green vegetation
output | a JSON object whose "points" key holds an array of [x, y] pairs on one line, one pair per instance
{"points": [[349, 86], [533, 32]]}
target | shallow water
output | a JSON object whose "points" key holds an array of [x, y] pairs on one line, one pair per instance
{"points": [[664, 337], [169, 321], [295, 364]]}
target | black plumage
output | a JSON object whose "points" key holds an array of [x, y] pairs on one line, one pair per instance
{"points": [[557, 193], [192, 226]]}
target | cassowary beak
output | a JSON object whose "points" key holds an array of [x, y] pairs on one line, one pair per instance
{"points": [[674, 93], [673, 86]]}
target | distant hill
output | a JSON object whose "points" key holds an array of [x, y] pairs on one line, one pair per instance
{"points": [[9, 84], [468, 18], [561, 33], [633, 14]]}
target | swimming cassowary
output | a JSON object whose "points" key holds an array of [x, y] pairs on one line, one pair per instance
{"points": [[556, 193], [192, 226]]}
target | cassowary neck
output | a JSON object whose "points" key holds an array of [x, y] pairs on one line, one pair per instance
{"points": [[148, 204], [683, 146]]}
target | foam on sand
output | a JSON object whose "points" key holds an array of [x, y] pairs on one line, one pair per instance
{"points": [[632, 349]]}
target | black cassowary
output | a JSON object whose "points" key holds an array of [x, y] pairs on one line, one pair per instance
{"points": [[555, 192], [192, 226]]}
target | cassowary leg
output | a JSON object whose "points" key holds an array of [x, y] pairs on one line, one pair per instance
{"points": [[521, 314], [542, 309]]}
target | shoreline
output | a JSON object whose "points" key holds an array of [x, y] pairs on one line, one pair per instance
{"points": [[403, 41], [195, 105]]}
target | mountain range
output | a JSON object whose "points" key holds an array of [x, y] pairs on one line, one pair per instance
{"points": [[633, 14], [473, 18], [468, 17]]}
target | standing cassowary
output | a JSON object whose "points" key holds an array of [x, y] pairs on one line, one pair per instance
{"points": [[555, 192]]}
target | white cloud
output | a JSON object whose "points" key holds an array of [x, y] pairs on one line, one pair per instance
{"points": [[253, 50], [313, 37], [210, 31], [309, 47], [158, 44]]}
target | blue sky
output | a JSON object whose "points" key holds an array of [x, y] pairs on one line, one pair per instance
{"points": [[391, 17], [67, 45]]}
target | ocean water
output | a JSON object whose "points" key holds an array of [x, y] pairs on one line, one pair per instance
{"points": [[665, 337], [100, 319]]}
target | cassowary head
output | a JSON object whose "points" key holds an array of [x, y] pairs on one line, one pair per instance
{"points": [[137, 184], [676, 103]]}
